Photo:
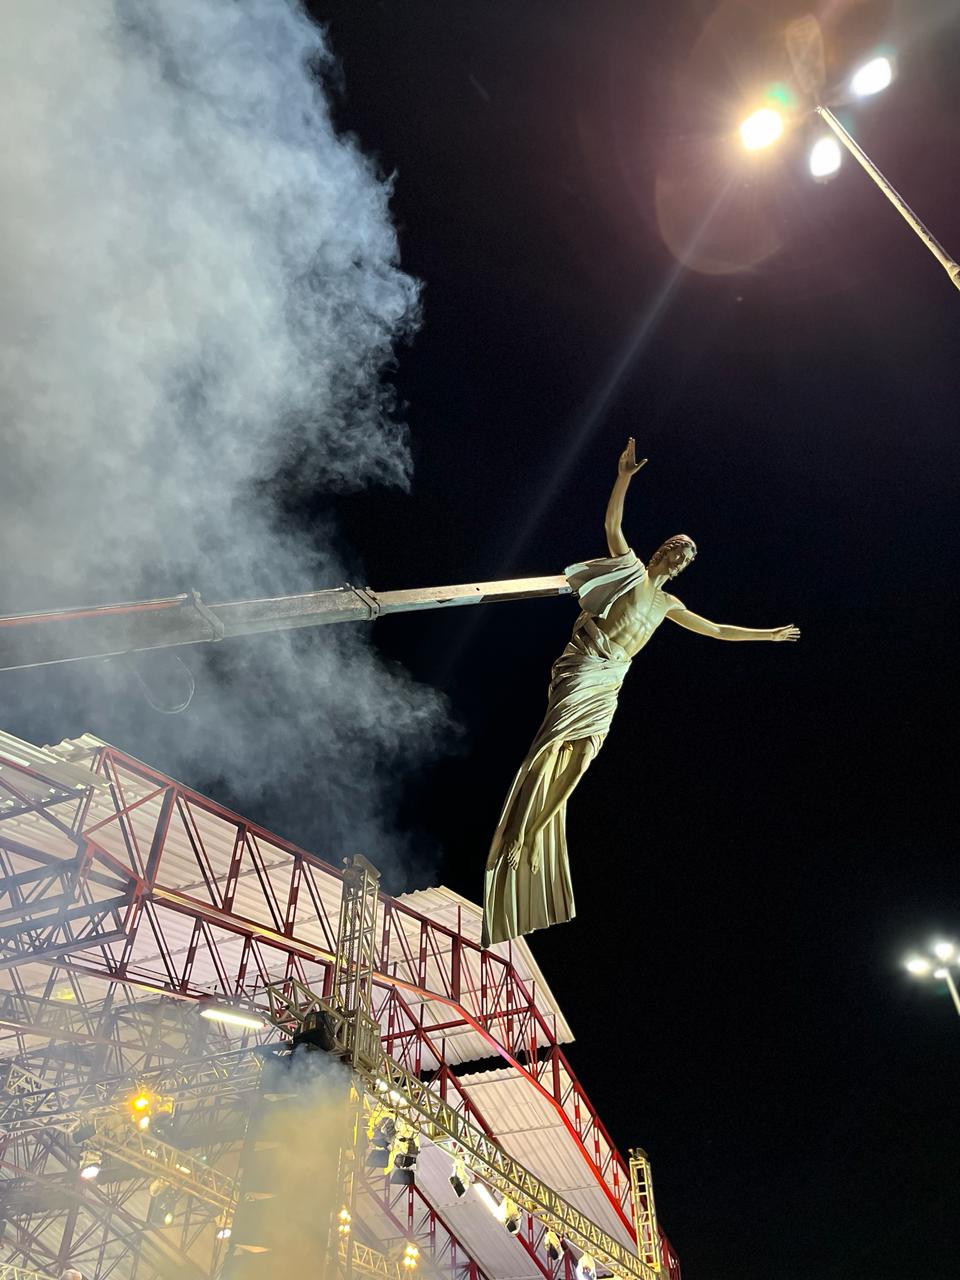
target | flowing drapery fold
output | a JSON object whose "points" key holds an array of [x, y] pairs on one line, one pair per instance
{"points": [[584, 686]]}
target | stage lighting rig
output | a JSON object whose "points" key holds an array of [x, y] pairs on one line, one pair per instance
{"points": [[511, 1216], [460, 1177], [405, 1151], [587, 1267], [381, 1133], [163, 1202], [553, 1245]]}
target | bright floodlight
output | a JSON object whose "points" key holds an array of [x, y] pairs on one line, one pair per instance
{"points": [[919, 966], [872, 77], [232, 1017], [944, 951], [825, 156], [761, 129], [484, 1194]]}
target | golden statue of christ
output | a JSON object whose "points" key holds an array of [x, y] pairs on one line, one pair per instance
{"points": [[622, 603]]}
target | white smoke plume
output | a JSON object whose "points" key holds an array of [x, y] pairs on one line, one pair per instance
{"points": [[199, 301]]}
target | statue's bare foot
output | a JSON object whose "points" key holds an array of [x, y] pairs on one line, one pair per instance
{"points": [[513, 853], [535, 841]]}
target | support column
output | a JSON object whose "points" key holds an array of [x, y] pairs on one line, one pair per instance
{"points": [[644, 1210]]}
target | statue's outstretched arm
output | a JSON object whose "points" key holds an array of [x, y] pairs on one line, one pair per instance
{"points": [[627, 468], [720, 631]]}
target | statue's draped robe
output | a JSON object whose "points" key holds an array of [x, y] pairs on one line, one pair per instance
{"points": [[585, 683]]}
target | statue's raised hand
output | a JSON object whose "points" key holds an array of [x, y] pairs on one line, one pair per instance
{"points": [[786, 633], [628, 464]]}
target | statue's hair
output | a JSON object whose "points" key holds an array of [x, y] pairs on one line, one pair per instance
{"points": [[676, 543]]}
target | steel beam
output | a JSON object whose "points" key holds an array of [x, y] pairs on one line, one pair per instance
{"points": [[103, 631]]}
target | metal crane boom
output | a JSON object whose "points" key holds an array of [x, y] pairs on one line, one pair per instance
{"points": [[104, 631]]}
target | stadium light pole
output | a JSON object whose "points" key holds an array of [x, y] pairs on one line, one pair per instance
{"points": [[896, 199], [764, 127], [937, 964]]}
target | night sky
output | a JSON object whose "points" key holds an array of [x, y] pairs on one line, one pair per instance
{"points": [[769, 827]]}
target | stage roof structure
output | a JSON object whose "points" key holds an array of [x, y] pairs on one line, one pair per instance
{"points": [[127, 902]]}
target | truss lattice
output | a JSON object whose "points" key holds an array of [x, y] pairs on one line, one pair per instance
{"points": [[124, 899]]}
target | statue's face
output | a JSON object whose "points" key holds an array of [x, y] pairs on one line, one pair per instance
{"points": [[673, 560]]}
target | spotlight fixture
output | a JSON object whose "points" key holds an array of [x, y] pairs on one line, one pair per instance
{"points": [[90, 1165], [343, 1223], [460, 1177], [511, 1216], [411, 1257], [553, 1245], [163, 1202], [141, 1107], [587, 1267], [381, 1132], [224, 1232], [405, 1150]]}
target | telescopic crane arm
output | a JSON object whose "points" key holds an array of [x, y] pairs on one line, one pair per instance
{"points": [[104, 631]]}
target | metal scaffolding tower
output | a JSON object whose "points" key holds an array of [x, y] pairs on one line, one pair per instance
{"points": [[124, 900]]}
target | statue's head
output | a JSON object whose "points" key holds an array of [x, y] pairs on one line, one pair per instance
{"points": [[673, 557]]}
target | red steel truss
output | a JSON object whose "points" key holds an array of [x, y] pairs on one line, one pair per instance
{"points": [[139, 885]]}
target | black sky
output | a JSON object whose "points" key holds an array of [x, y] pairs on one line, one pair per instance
{"points": [[768, 827]]}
